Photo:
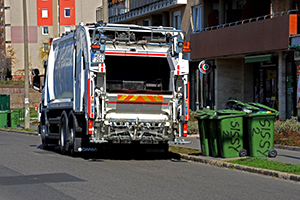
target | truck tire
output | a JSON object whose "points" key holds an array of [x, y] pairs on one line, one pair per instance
{"points": [[72, 134], [47, 144], [62, 133]]}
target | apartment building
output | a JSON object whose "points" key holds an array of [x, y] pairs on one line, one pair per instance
{"points": [[46, 19], [251, 45]]}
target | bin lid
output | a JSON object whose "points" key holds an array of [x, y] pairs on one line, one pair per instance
{"points": [[4, 111], [263, 107], [261, 114], [229, 112], [221, 114], [235, 101], [204, 114], [250, 109]]}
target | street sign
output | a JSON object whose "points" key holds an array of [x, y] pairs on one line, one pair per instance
{"points": [[204, 67]]}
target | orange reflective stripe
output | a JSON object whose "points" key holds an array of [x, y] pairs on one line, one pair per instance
{"points": [[140, 98]]}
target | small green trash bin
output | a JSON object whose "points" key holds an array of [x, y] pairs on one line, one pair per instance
{"points": [[229, 131], [3, 119], [259, 129], [13, 119], [203, 117]]}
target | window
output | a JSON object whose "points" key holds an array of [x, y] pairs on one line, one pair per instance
{"points": [[44, 13], [197, 22], [45, 47], [67, 29], [67, 12], [146, 22], [45, 30], [177, 20]]}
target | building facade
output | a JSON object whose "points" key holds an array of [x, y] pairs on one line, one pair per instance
{"points": [[251, 45], [46, 19]]}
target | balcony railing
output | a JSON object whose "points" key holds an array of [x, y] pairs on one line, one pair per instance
{"points": [[262, 34], [248, 20], [138, 8]]}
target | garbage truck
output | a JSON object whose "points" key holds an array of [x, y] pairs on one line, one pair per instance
{"points": [[114, 84]]}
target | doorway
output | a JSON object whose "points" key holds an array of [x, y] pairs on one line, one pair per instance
{"points": [[265, 85]]}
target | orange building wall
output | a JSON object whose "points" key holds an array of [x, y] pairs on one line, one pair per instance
{"points": [[44, 4], [66, 21]]}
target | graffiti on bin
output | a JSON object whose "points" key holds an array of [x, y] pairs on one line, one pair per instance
{"points": [[234, 134], [265, 134]]}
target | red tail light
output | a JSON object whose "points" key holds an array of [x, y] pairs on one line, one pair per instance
{"points": [[186, 46], [90, 127]]}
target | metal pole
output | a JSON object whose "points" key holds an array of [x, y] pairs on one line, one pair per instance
{"points": [[201, 90], [197, 89], [27, 109]]}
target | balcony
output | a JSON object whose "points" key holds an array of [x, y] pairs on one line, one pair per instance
{"points": [[257, 35], [137, 8]]}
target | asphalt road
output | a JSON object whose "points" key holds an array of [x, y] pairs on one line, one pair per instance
{"points": [[28, 172]]}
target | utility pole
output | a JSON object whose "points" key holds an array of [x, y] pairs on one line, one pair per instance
{"points": [[26, 67], [105, 11]]}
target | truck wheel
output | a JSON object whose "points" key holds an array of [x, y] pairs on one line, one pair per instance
{"points": [[72, 141], [45, 141], [44, 145], [62, 132]]}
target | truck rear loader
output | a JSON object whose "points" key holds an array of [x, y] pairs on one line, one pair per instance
{"points": [[114, 84]]}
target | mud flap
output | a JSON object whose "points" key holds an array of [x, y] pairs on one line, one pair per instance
{"points": [[77, 144]]}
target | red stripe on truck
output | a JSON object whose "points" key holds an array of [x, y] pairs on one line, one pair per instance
{"points": [[135, 54]]}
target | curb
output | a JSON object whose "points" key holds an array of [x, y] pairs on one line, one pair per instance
{"points": [[287, 147], [19, 131], [219, 163]]}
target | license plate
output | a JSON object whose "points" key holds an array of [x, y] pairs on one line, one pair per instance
{"points": [[98, 58]]}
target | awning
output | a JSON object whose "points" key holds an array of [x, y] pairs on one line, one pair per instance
{"points": [[258, 58]]}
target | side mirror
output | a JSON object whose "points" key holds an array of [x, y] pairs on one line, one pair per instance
{"points": [[35, 72], [36, 80]]}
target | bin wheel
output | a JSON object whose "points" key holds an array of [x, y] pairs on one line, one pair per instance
{"points": [[243, 153], [272, 153]]}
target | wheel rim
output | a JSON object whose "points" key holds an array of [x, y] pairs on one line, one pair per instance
{"points": [[62, 136], [72, 136]]}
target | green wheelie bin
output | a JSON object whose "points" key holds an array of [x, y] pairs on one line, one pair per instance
{"points": [[13, 119], [203, 117], [213, 136], [3, 119], [229, 133], [21, 115], [259, 130]]}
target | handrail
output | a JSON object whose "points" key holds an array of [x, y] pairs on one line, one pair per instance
{"points": [[246, 21]]}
